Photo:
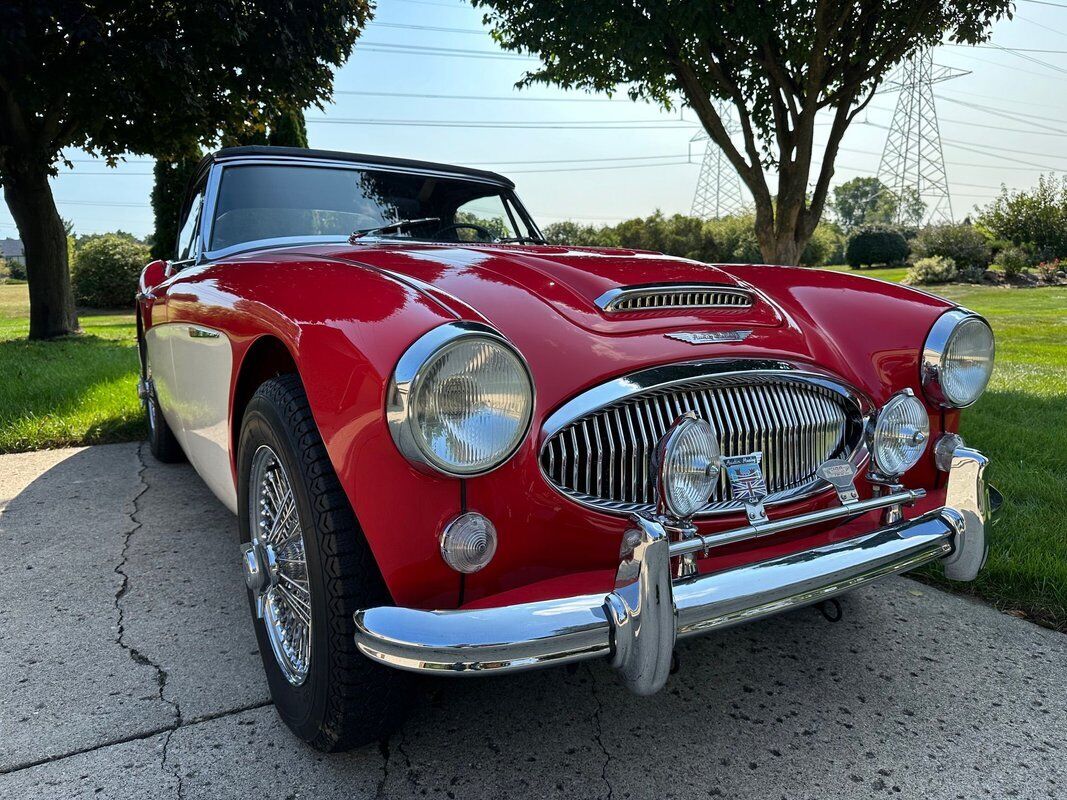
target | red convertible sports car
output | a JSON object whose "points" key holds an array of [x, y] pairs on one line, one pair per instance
{"points": [[455, 449]]}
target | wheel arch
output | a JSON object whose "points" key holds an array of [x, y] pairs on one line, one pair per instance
{"points": [[265, 358]]}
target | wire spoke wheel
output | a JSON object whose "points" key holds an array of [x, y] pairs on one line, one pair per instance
{"points": [[283, 596]]}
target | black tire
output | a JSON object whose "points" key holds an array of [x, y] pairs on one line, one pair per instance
{"points": [[161, 439], [346, 700]]}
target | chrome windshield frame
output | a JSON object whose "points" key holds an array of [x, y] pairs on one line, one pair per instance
{"points": [[214, 182]]}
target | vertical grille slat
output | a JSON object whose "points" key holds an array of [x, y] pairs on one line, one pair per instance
{"points": [[605, 458]]}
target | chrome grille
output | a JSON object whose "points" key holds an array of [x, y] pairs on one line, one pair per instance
{"points": [[654, 298], [604, 458]]}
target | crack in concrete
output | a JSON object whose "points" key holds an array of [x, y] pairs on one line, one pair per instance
{"points": [[138, 737], [383, 748], [598, 734], [136, 523]]}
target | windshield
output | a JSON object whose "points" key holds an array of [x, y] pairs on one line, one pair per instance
{"points": [[257, 202]]}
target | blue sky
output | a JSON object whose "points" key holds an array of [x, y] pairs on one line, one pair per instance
{"points": [[574, 156]]}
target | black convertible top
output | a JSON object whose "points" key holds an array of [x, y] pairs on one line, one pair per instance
{"points": [[335, 155]]}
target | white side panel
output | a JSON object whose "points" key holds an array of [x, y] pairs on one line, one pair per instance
{"points": [[198, 400], [161, 373]]}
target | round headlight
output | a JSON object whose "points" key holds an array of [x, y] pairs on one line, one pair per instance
{"points": [[461, 400], [688, 461], [899, 435], [958, 359]]}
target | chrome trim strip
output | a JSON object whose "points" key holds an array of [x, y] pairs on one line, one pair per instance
{"points": [[407, 373], [776, 412], [934, 351], [197, 332], [638, 621], [611, 299]]}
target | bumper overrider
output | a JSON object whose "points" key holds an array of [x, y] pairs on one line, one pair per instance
{"points": [[637, 624]]}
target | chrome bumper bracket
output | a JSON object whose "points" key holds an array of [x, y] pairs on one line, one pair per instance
{"points": [[637, 623]]}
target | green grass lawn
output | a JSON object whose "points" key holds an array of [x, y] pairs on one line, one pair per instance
{"points": [[78, 390], [82, 391]]}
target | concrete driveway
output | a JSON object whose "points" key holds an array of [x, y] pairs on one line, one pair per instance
{"points": [[128, 669]]}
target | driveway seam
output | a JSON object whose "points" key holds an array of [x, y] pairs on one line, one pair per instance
{"points": [[137, 737]]}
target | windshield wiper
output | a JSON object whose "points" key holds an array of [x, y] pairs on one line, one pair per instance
{"points": [[397, 227], [521, 240]]}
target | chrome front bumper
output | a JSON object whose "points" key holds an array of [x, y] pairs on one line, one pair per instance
{"points": [[637, 624]]}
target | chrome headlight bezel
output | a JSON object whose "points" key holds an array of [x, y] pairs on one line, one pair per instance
{"points": [[933, 358], [875, 431], [405, 383], [666, 464]]}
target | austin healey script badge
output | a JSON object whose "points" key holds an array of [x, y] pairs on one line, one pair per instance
{"points": [[747, 484], [709, 337]]}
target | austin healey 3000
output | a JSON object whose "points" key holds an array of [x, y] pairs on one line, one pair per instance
{"points": [[456, 449]]}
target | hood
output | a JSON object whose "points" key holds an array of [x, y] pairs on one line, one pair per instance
{"points": [[481, 280]]}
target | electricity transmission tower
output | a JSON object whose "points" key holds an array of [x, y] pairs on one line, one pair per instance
{"points": [[718, 192], [913, 162]]}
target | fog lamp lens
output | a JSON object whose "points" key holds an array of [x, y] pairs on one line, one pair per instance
{"points": [[468, 543], [900, 435], [688, 461]]}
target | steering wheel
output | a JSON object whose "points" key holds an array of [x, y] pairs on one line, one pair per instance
{"points": [[488, 235]]}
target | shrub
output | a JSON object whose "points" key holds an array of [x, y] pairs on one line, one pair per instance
{"points": [[1013, 260], [105, 271], [1036, 218], [10, 269], [574, 233], [1052, 270], [935, 269], [826, 246], [735, 239], [876, 246], [962, 243], [971, 274]]}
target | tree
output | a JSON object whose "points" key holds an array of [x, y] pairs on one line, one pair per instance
{"points": [[781, 66], [863, 201], [171, 178], [143, 77]]}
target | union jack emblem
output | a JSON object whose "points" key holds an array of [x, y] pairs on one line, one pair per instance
{"points": [[745, 474]]}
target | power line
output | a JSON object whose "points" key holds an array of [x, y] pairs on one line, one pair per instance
{"points": [[481, 97], [421, 50], [664, 125], [435, 28]]}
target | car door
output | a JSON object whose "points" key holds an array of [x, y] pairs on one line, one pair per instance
{"points": [[195, 362]]}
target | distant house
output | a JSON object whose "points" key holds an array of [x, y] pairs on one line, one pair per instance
{"points": [[12, 250]]}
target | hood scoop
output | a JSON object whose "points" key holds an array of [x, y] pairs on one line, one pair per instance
{"points": [[658, 297]]}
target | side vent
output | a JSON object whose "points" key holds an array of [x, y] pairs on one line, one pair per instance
{"points": [[656, 298]]}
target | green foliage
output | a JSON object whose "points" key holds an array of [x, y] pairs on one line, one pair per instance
{"points": [[14, 270], [1014, 261], [288, 130], [1036, 218], [863, 201], [577, 234], [106, 269], [963, 243], [871, 246], [168, 194], [735, 239], [931, 270], [826, 246]]}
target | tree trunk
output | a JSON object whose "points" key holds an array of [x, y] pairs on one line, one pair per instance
{"points": [[29, 197], [781, 247]]}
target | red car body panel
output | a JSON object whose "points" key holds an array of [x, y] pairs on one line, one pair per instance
{"points": [[347, 313]]}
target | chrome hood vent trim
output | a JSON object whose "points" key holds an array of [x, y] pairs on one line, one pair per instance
{"points": [[597, 448], [674, 295]]}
